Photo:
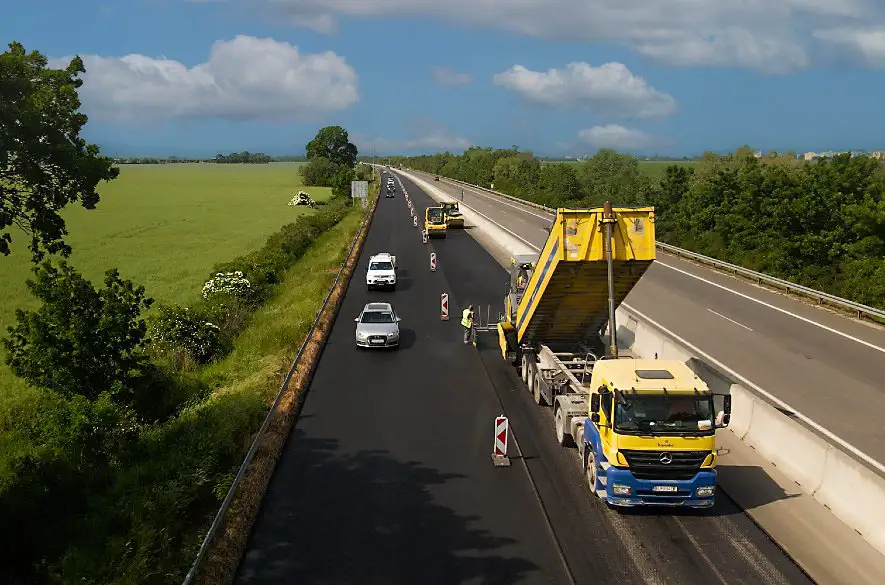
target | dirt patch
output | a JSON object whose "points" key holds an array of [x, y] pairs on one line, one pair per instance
{"points": [[220, 564]]}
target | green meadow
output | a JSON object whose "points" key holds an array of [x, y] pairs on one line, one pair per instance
{"points": [[164, 226]]}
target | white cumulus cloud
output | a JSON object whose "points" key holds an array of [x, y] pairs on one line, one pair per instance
{"points": [[610, 88], [865, 43], [773, 36], [445, 76], [245, 78], [616, 137]]}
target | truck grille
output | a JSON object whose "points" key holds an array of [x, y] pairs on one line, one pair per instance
{"points": [[650, 464]]}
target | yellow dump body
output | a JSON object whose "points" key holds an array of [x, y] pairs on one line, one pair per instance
{"points": [[566, 300]]}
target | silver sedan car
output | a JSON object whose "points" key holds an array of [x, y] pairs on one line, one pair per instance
{"points": [[377, 326]]}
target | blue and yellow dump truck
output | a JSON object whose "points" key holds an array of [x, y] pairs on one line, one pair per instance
{"points": [[645, 428]]}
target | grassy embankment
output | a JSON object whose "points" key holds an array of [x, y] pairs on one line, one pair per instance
{"points": [[166, 226]]}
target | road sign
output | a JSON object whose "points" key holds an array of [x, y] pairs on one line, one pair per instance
{"points": [[414, 221], [433, 261], [424, 236], [499, 452], [444, 307]]}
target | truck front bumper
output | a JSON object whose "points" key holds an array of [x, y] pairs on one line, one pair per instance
{"points": [[623, 489]]}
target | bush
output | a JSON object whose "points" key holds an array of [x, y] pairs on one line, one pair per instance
{"points": [[178, 330], [229, 283], [81, 341], [319, 172]]}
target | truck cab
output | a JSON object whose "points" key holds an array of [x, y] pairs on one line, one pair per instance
{"points": [[381, 271], [435, 222], [649, 437]]}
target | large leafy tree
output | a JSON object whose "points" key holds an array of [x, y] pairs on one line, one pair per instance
{"points": [[333, 143], [44, 163]]}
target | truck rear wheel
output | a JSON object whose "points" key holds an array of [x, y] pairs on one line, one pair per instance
{"points": [[525, 369]]}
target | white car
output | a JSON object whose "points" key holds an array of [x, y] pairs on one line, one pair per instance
{"points": [[381, 271]]}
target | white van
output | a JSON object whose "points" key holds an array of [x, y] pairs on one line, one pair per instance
{"points": [[381, 271]]}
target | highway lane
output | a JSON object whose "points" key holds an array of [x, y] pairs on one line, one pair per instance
{"points": [[653, 547], [387, 477], [782, 345]]}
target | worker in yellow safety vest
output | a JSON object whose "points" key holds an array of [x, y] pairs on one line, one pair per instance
{"points": [[467, 322]]}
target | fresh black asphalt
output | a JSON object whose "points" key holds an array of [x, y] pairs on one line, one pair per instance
{"points": [[387, 476]]}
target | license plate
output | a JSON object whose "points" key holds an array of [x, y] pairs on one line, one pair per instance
{"points": [[377, 341], [664, 488]]}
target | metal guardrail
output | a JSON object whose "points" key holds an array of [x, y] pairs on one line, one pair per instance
{"points": [[821, 297], [256, 443]]}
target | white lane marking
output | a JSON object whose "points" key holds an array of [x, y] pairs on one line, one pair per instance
{"points": [[840, 441], [728, 319], [770, 306], [879, 466]]}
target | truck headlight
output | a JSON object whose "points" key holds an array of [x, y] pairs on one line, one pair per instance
{"points": [[621, 490], [705, 492]]}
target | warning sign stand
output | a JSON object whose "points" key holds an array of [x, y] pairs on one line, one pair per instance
{"points": [[499, 451], [444, 307], [433, 261]]}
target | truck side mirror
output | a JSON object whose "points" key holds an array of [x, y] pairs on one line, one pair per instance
{"points": [[724, 417], [594, 417], [594, 403]]}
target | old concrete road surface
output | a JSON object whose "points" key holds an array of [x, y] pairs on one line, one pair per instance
{"points": [[387, 477], [601, 545], [800, 354]]}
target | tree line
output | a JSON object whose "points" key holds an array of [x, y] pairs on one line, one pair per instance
{"points": [[816, 223], [245, 157]]}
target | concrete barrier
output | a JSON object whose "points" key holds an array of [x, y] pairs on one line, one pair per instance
{"points": [[854, 493]]}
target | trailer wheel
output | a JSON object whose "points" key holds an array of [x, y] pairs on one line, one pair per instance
{"points": [[525, 369], [536, 388], [562, 437]]}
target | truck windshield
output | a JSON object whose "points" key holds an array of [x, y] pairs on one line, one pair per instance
{"points": [[380, 266], [665, 414]]}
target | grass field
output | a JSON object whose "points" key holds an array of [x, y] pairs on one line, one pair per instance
{"points": [[164, 226], [654, 168]]}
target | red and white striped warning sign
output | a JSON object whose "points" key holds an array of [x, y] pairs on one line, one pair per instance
{"points": [[414, 221], [424, 236], [502, 426], [433, 261], [444, 307]]}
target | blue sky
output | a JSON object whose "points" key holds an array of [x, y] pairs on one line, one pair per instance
{"points": [[560, 77]]}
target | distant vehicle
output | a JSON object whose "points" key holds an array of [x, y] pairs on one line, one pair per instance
{"points": [[377, 326], [381, 271]]}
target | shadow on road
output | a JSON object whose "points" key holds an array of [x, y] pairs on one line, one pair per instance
{"points": [[333, 517]]}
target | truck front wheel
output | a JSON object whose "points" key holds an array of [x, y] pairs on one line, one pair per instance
{"points": [[590, 471]]}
